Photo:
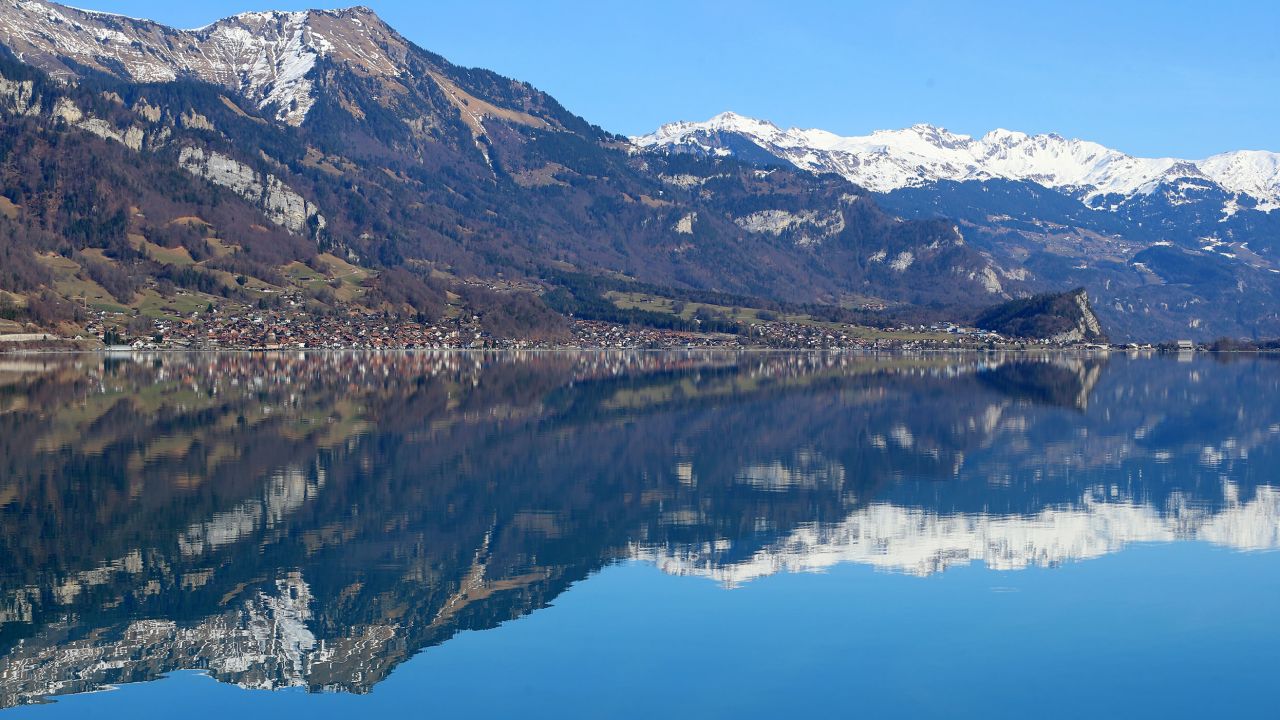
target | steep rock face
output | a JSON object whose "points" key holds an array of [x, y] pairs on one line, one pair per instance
{"points": [[19, 97], [1087, 325], [775, 222], [278, 201], [142, 126], [67, 111]]}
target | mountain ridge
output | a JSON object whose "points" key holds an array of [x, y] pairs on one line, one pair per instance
{"points": [[1047, 158], [333, 130], [265, 55], [397, 159], [1186, 247]]}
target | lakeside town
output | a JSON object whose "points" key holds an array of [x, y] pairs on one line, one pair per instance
{"points": [[287, 329]]}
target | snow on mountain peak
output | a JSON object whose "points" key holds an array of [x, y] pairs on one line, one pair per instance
{"points": [[727, 121], [730, 120], [1250, 172], [939, 136], [1000, 136], [888, 160], [273, 52], [265, 56]]}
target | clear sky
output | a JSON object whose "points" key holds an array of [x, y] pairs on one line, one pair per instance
{"points": [[1151, 78]]}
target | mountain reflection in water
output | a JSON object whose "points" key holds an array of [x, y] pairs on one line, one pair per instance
{"points": [[313, 520]]}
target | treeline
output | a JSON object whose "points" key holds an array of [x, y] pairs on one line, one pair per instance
{"points": [[116, 280], [401, 288], [1229, 344], [45, 309], [582, 296], [1038, 316], [191, 278], [514, 315], [19, 269]]}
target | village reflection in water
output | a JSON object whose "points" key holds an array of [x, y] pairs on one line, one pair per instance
{"points": [[314, 519]]}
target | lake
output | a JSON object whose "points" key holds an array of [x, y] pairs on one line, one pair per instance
{"points": [[563, 534]]}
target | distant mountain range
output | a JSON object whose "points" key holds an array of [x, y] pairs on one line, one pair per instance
{"points": [[322, 157], [1185, 246], [889, 160]]}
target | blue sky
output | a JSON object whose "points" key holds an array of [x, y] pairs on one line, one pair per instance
{"points": [[1171, 78]]}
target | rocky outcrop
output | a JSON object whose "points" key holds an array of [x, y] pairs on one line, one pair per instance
{"points": [[1087, 325], [193, 120], [66, 110], [811, 226], [147, 111], [281, 204], [1056, 317], [684, 225], [18, 97]]}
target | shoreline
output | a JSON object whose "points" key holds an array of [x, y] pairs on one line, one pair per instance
{"points": [[708, 349]]}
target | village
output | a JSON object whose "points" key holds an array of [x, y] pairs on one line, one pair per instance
{"points": [[281, 329]]}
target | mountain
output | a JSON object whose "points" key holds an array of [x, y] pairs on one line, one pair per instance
{"points": [[318, 160], [274, 155], [888, 160], [263, 56], [1064, 317], [1164, 245]]}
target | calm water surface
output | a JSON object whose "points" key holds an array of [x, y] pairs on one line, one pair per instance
{"points": [[627, 535]]}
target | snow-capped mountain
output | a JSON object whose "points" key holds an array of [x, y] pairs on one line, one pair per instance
{"points": [[340, 134], [265, 56], [888, 160], [1250, 172], [1165, 240]]}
